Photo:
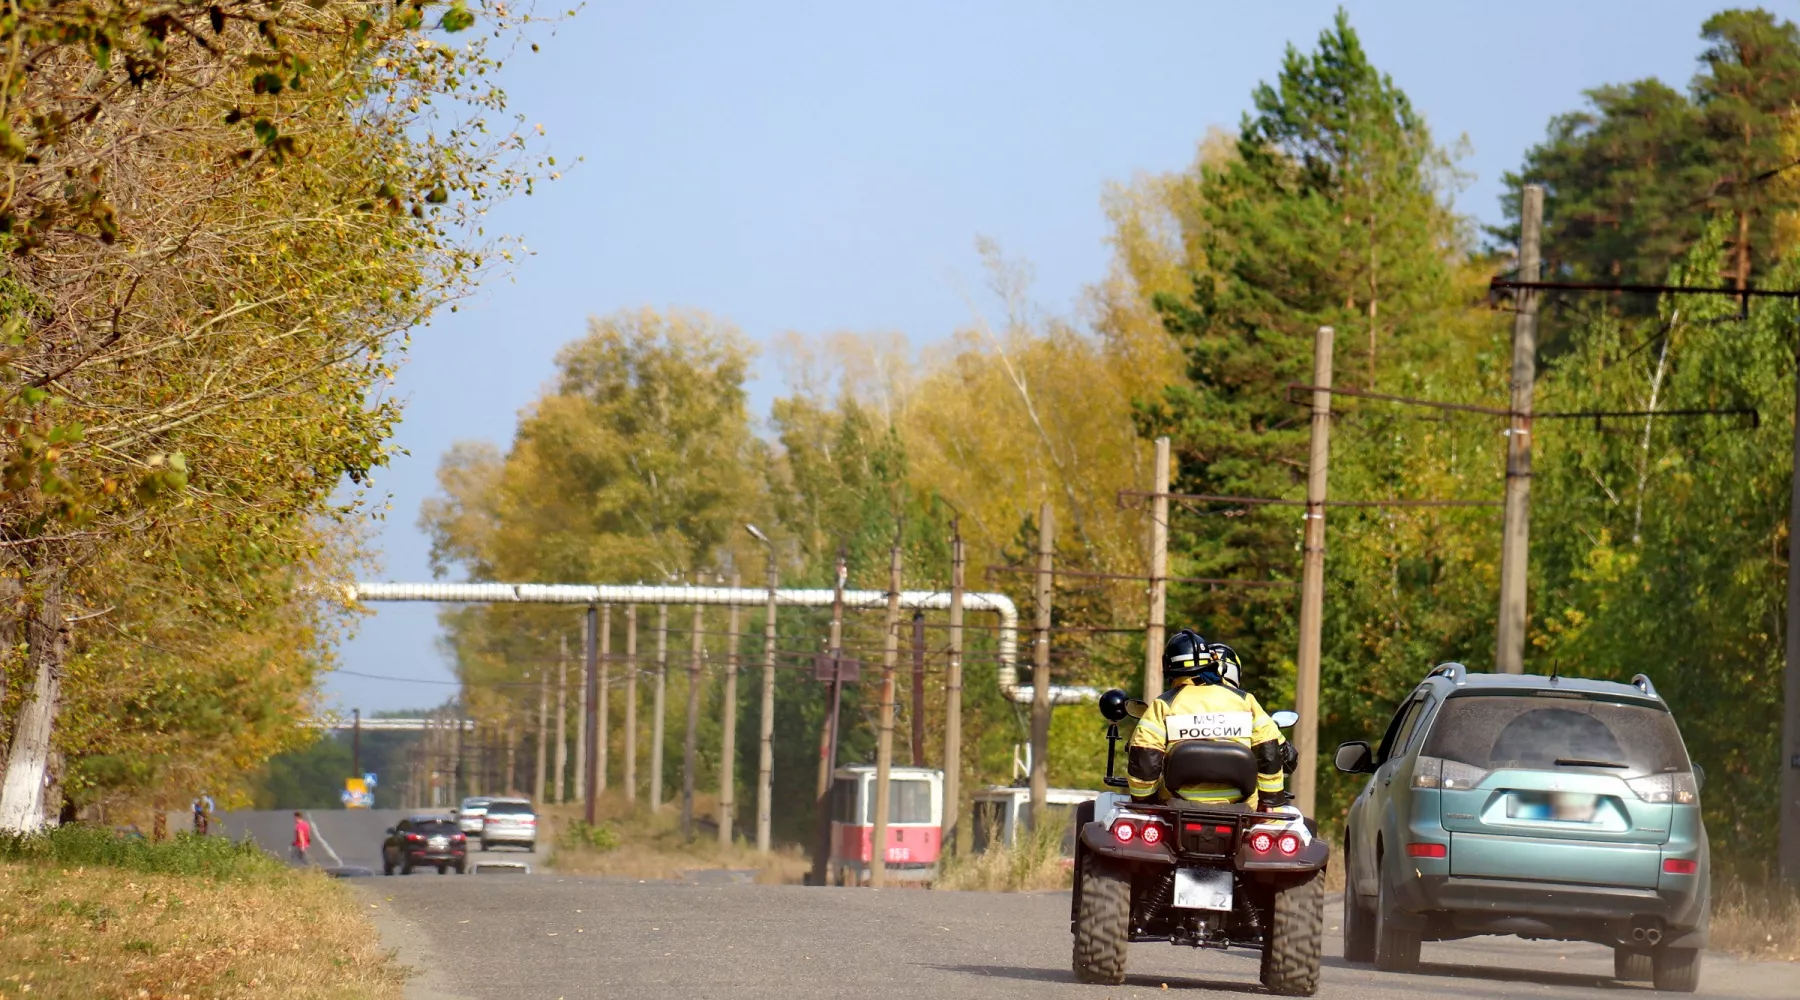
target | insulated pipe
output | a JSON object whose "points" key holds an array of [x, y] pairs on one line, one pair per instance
{"points": [[569, 593]]}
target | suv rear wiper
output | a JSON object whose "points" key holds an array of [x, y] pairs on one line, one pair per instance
{"points": [[1588, 762]]}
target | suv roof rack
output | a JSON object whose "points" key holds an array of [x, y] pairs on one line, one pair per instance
{"points": [[1643, 684], [1455, 671]]}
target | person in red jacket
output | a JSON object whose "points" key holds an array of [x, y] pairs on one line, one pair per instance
{"points": [[302, 838]]}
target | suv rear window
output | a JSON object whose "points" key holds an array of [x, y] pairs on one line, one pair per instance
{"points": [[509, 809], [1492, 731]]}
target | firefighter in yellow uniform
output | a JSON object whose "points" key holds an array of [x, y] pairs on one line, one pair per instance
{"points": [[1204, 702]]}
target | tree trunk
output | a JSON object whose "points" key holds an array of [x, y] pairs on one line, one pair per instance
{"points": [[28, 758], [12, 614]]}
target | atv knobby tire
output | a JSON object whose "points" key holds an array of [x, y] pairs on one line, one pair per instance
{"points": [[1102, 923], [1290, 959]]}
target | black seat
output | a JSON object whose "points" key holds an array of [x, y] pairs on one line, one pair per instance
{"points": [[1210, 762]]}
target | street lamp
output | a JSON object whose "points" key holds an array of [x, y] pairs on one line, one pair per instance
{"points": [[765, 765]]}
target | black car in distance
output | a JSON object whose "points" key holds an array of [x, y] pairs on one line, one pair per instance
{"points": [[425, 841]]}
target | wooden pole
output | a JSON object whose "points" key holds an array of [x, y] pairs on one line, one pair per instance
{"points": [[579, 791], [765, 755], [884, 742], [1312, 579], [659, 707], [603, 715], [690, 747], [728, 735], [1515, 545], [541, 766], [1154, 636], [631, 703], [917, 707], [1040, 691], [562, 719], [953, 684], [590, 743], [828, 732]]}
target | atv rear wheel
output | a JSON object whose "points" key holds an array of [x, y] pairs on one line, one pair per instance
{"points": [[1631, 966], [1290, 959], [1675, 970], [1359, 924], [1396, 946], [1102, 923]]}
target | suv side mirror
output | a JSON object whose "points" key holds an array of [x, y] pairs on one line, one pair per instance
{"points": [[1355, 757]]}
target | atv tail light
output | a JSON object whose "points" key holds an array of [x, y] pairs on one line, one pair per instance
{"points": [[1438, 851], [1152, 834], [1289, 844], [1680, 866], [1262, 842], [1123, 832]]}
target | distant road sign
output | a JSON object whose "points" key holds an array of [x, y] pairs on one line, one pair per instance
{"points": [[369, 778], [850, 668], [356, 794]]}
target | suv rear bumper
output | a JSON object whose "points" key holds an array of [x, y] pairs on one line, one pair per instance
{"points": [[1450, 906]]}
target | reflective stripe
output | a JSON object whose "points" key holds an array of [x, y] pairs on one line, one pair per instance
{"points": [[1269, 782], [1142, 788], [1211, 794]]}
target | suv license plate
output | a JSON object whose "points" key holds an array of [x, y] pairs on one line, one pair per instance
{"points": [[1202, 889]]}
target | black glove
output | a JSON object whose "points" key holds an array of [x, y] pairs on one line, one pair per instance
{"points": [[1269, 801], [1291, 758]]}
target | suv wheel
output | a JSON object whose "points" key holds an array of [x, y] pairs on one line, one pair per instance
{"points": [[1631, 966], [1290, 959], [1359, 924], [1103, 925], [1396, 947], [1675, 970]]}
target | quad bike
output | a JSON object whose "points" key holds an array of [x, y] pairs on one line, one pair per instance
{"points": [[1204, 875]]}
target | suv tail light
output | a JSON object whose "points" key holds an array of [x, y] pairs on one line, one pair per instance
{"points": [[1680, 789], [1680, 866], [1436, 772], [1438, 851]]}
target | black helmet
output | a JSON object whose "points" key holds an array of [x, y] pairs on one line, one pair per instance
{"points": [[1188, 655]]}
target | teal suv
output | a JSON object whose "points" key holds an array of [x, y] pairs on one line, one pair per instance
{"points": [[1545, 807]]}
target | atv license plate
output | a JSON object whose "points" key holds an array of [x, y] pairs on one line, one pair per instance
{"points": [[1202, 889]]}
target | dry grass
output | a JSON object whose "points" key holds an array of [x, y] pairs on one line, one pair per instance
{"points": [[650, 846], [1035, 862], [1756, 919], [103, 932]]}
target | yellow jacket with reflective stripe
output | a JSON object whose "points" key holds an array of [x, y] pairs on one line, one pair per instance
{"points": [[1189, 698]]}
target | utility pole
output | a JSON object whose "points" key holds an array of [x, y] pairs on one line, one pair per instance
{"points": [[765, 754], [590, 744], [1312, 579], [562, 716], [457, 769], [659, 707], [689, 740], [601, 717], [728, 734], [1044, 585], [631, 703], [1788, 850], [828, 734], [579, 792], [918, 689], [884, 741], [1515, 545], [356, 743], [542, 764], [953, 683], [1159, 573]]}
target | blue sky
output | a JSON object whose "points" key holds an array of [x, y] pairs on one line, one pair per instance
{"points": [[819, 167]]}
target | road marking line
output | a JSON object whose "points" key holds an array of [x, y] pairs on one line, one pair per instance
{"points": [[320, 837]]}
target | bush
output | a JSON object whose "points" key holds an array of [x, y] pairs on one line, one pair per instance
{"points": [[1035, 862], [186, 854], [598, 836]]}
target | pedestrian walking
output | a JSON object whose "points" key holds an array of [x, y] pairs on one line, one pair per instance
{"points": [[203, 808], [302, 838]]}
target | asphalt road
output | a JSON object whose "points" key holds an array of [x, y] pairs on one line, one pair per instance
{"points": [[544, 936], [343, 838]]}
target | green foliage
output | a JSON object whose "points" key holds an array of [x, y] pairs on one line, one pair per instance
{"points": [[597, 836], [185, 854], [310, 777]]}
